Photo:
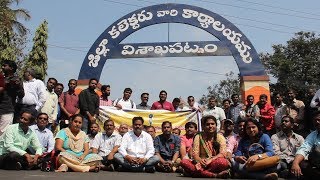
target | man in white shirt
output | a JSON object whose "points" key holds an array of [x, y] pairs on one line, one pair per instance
{"points": [[106, 145], [50, 107], [34, 97], [44, 135], [215, 111], [137, 152], [125, 102], [315, 102]]}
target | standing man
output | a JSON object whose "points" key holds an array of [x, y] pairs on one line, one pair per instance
{"points": [[69, 103], [89, 104], [215, 111], [14, 143], [295, 109], [235, 108], [267, 115], [125, 102], [34, 95], [279, 107], [104, 98], [252, 110], [50, 107], [11, 87], [136, 152], [167, 147], [106, 145], [144, 102], [162, 103]]}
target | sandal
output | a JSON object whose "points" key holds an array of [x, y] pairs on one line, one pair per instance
{"points": [[62, 168]]}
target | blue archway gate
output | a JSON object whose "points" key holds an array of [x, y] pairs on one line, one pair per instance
{"points": [[232, 41]]}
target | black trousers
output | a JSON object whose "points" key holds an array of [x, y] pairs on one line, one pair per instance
{"points": [[9, 161]]}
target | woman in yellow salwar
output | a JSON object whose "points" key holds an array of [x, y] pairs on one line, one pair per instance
{"points": [[73, 145]]}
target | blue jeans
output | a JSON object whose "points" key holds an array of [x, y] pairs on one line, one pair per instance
{"points": [[241, 169], [151, 162]]}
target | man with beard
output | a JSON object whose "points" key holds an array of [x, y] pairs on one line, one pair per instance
{"points": [[94, 130], [104, 98], [44, 135], [89, 104], [187, 140], [125, 102], [310, 148], [14, 143], [11, 87], [162, 103], [106, 145], [266, 116], [295, 109], [167, 147], [69, 103], [279, 106], [136, 152], [251, 109], [286, 144], [144, 102], [50, 107]]}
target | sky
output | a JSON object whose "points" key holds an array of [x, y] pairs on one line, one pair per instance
{"points": [[74, 25]]}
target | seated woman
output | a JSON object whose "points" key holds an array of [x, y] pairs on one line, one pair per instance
{"points": [[252, 147], [209, 151], [74, 146]]}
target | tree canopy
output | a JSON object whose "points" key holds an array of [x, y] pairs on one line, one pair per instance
{"points": [[224, 89], [296, 64]]}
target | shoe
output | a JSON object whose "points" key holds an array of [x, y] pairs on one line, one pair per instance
{"points": [[150, 170], [18, 166], [271, 176], [109, 168], [121, 169]]}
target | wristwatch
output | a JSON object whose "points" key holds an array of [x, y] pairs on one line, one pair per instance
{"points": [[259, 156]]}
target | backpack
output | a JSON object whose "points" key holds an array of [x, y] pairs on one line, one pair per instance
{"points": [[49, 161], [117, 101]]}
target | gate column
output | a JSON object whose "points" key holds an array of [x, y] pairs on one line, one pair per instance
{"points": [[254, 85]]}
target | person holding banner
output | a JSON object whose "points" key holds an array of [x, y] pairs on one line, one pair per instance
{"points": [[209, 153], [162, 103], [136, 152]]}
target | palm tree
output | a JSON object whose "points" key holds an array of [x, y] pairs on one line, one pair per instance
{"points": [[9, 17], [12, 32]]}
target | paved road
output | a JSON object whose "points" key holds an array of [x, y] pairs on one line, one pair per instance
{"points": [[103, 175]]}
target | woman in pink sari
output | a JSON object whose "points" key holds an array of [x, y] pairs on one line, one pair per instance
{"points": [[209, 153]]}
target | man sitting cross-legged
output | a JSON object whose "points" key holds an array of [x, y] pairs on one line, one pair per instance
{"points": [[167, 147], [106, 145], [136, 152], [14, 143]]}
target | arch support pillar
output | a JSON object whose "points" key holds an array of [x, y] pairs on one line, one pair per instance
{"points": [[254, 85]]}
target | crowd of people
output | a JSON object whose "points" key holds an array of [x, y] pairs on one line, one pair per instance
{"points": [[261, 140]]}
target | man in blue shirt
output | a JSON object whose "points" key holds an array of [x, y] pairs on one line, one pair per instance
{"points": [[311, 147], [167, 147]]}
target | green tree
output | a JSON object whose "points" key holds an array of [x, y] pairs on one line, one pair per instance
{"points": [[37, 58], [295, 65], [12, 32], [223, 90]]}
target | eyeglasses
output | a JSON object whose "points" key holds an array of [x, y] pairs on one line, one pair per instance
{"points": [[191, 100]]}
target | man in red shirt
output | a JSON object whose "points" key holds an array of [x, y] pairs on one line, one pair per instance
{"points": [[162, 103], [267, 113]]}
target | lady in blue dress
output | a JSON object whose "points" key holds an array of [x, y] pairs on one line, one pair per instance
{"points": [[74, 146]]}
